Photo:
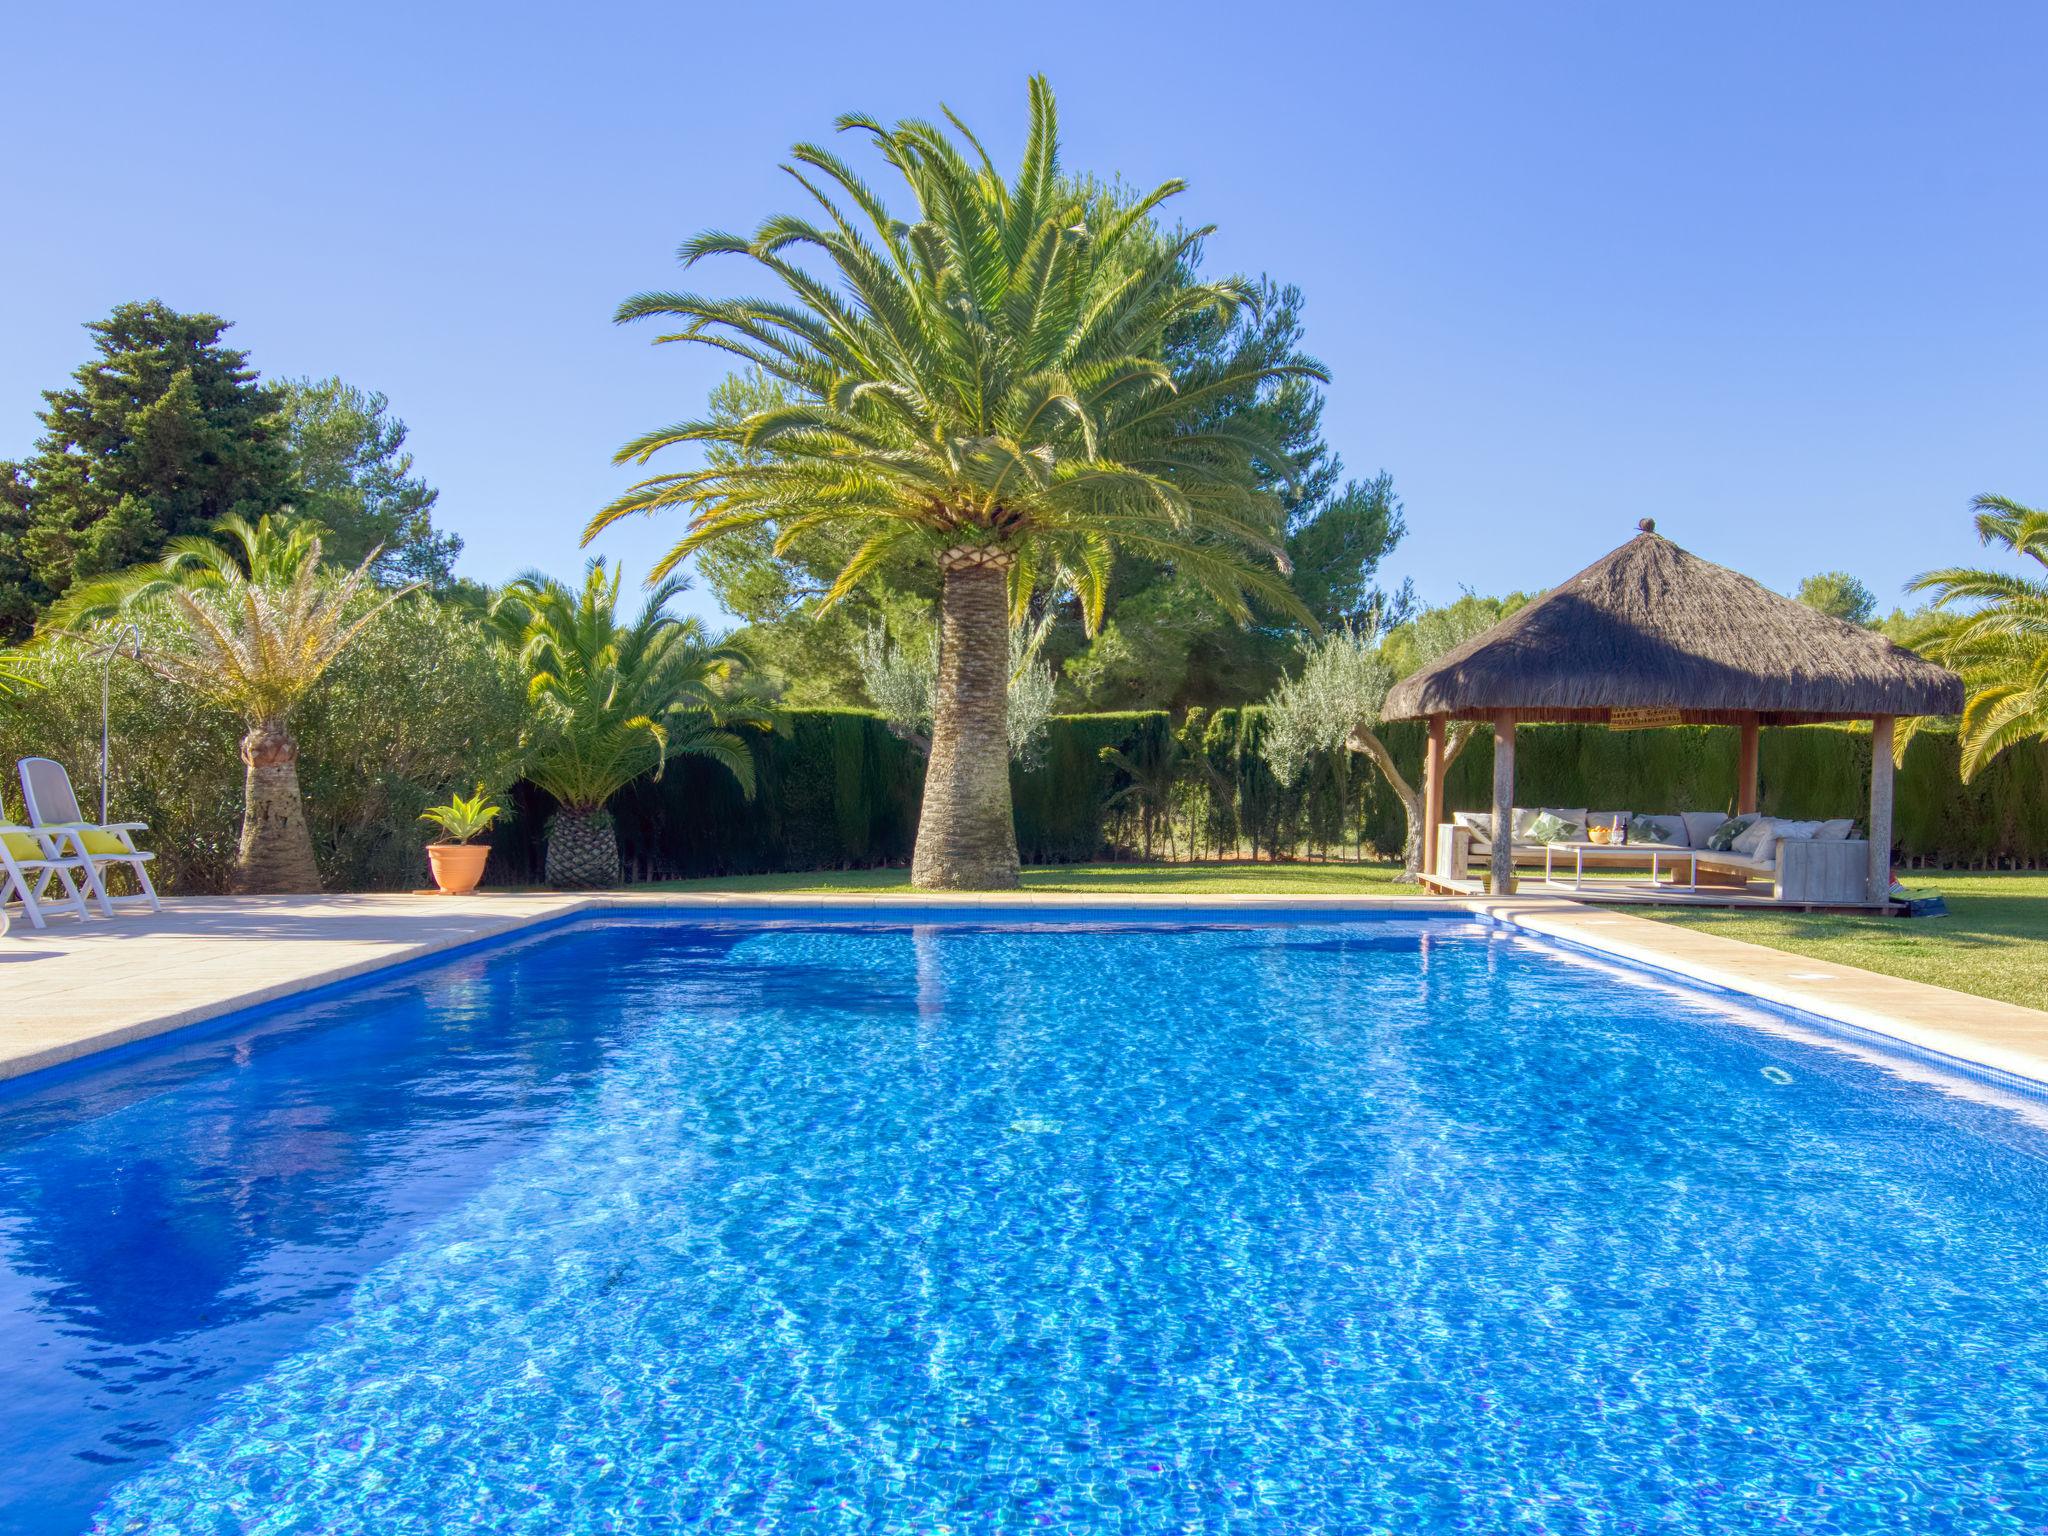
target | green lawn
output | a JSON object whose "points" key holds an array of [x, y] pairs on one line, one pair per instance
{"points": [[1067, 879], [1993, 943]]}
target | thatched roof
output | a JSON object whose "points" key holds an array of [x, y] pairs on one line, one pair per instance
{"points": [[1652, 627]]}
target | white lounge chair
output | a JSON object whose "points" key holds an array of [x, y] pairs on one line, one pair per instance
{"points": [[28, 863], [53, 810]]}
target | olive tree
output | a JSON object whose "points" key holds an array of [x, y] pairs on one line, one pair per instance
{"points": [[1336, 701], [902, 680]]}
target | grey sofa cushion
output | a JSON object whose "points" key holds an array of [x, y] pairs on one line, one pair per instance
{"points": [[1700, 825], [1739, 861]]}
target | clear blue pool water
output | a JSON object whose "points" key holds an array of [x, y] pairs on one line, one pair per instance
{"points": [[1359, 1225]]}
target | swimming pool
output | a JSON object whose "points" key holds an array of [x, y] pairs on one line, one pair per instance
{"points": [[1075, 1223]]}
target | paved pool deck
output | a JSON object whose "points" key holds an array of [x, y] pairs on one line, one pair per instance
{"points": [[73, 989]]}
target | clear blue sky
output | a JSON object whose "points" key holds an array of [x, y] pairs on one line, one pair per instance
{"points": [[1772, 274]]}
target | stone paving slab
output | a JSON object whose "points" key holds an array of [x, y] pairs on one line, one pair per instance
{"points": [[73, 989]]}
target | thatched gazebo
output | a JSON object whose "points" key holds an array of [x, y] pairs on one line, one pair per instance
{"points": [[1653, 636]]}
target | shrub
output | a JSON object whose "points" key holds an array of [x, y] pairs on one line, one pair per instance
{"points": [[423, 703]]}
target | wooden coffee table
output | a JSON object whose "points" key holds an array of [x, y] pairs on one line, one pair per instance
{"points": [[1579, 848]]}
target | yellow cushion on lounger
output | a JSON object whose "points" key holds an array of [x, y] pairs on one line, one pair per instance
{"points": [[97, 841], [22, 845]]}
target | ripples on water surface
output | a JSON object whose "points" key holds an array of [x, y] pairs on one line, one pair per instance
{"points": [[1375, 1225]]}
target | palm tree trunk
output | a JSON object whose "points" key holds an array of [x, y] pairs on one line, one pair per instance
{"points": [[583, 850], [966, 835], [276, 852]]}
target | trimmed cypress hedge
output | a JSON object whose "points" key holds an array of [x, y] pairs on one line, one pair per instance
{"points": [[1061, 800], [837, 790], [833, 790]]}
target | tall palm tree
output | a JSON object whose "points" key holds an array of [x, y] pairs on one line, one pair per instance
{"points": [[253, 623], [2000, 646], [611, 701], [980, 387]]}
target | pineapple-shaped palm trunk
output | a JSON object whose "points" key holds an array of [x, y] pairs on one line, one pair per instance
{"points": [[275, 855], [583, 850]]}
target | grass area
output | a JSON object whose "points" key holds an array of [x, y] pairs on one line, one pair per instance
{"points": [[1069, 879], [1993, 943]]}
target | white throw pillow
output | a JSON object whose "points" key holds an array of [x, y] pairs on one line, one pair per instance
{"points": [[1577, 817], [1700, 825], [1763, 838], [1789, 832], [1834, 831], [1479, 821], [1524, 814], [1756, 840]]}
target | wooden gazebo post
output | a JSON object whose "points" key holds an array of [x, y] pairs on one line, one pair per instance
{"points": [[1503, 869], [1880, 886], [1432, 792], [1745, 770]]}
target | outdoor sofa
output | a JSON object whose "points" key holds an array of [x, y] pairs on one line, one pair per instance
{"points": [[1821, 863]]}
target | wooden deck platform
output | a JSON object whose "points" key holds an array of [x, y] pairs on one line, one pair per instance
{"points": [[1641, 893]]}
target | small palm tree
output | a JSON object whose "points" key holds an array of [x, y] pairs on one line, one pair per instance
{"points": [[2000, 646], [611, 701], [252, 623], [981, 388]]}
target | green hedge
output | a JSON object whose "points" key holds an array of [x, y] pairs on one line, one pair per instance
{"points": [[837, 790], [1062, 798], [834, 790]]}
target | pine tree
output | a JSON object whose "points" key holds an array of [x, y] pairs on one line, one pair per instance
{"points": [[165, 431], [355, 479]]}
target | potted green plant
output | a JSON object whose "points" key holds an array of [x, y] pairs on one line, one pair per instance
{"points": [[459, 862]]}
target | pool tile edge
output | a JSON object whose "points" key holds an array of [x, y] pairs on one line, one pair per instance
{"points": [[193, 957], [2002, 1038]]}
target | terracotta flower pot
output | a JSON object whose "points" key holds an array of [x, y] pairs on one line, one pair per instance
{"points": [[457, 866]]}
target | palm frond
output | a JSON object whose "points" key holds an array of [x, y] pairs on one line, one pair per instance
{"points": [[607, 695], [987, 366]]}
